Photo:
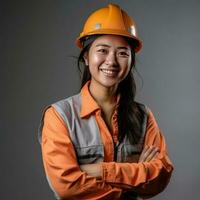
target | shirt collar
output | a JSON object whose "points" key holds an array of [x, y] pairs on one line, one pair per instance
{"points": [[89, 105]]}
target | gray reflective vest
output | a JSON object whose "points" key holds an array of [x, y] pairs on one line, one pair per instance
{"points": [[86, 137]]}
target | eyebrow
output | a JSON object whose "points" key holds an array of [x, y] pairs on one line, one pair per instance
{"points": [[108, 46]]}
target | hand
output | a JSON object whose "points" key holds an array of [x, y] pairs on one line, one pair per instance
{"points": [[149, 153], [92, 169]]}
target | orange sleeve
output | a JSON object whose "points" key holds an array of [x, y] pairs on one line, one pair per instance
{"points": [[61, 166], [145, 178]]}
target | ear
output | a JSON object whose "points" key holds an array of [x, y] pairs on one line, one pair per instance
{"points": [[85, 56]]}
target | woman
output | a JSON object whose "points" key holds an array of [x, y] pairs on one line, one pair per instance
{"points": [[100, 143]]}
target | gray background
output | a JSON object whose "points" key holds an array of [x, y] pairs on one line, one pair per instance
{"points": [[37, 68]]}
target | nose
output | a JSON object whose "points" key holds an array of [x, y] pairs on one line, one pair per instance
{"points": [[111, 59]]}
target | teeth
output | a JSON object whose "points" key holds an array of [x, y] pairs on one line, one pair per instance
{"points": [[109, 72]]}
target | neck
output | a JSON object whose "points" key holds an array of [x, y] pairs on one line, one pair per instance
{"points": [[103, 95]]}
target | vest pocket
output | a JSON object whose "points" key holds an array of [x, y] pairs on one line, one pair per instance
{"points": [[90, 154]]}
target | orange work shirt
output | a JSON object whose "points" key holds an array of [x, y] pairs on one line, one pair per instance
{"points": [[69, 182]]}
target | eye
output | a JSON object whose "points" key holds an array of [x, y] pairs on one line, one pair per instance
{"points": [[123, 54], [102, 50]]}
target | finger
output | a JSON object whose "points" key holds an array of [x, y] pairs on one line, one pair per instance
{"points": [[148, 154], [147, 151], [152, 154], [142, 155]]}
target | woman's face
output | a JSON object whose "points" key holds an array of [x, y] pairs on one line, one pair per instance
{"points": [[109, 60]]}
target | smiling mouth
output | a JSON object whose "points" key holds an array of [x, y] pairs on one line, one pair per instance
{"points": [[110, 72]]}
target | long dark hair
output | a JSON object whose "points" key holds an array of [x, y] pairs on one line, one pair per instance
{"points": [[130, 114]]}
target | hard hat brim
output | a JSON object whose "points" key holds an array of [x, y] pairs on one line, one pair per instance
{"points": [[138, 42]]}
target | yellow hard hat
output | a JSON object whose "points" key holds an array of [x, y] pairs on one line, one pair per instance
{"points": [[110, 20]]}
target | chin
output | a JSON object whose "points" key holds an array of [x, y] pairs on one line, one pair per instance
{"points": [[109, 84]]}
